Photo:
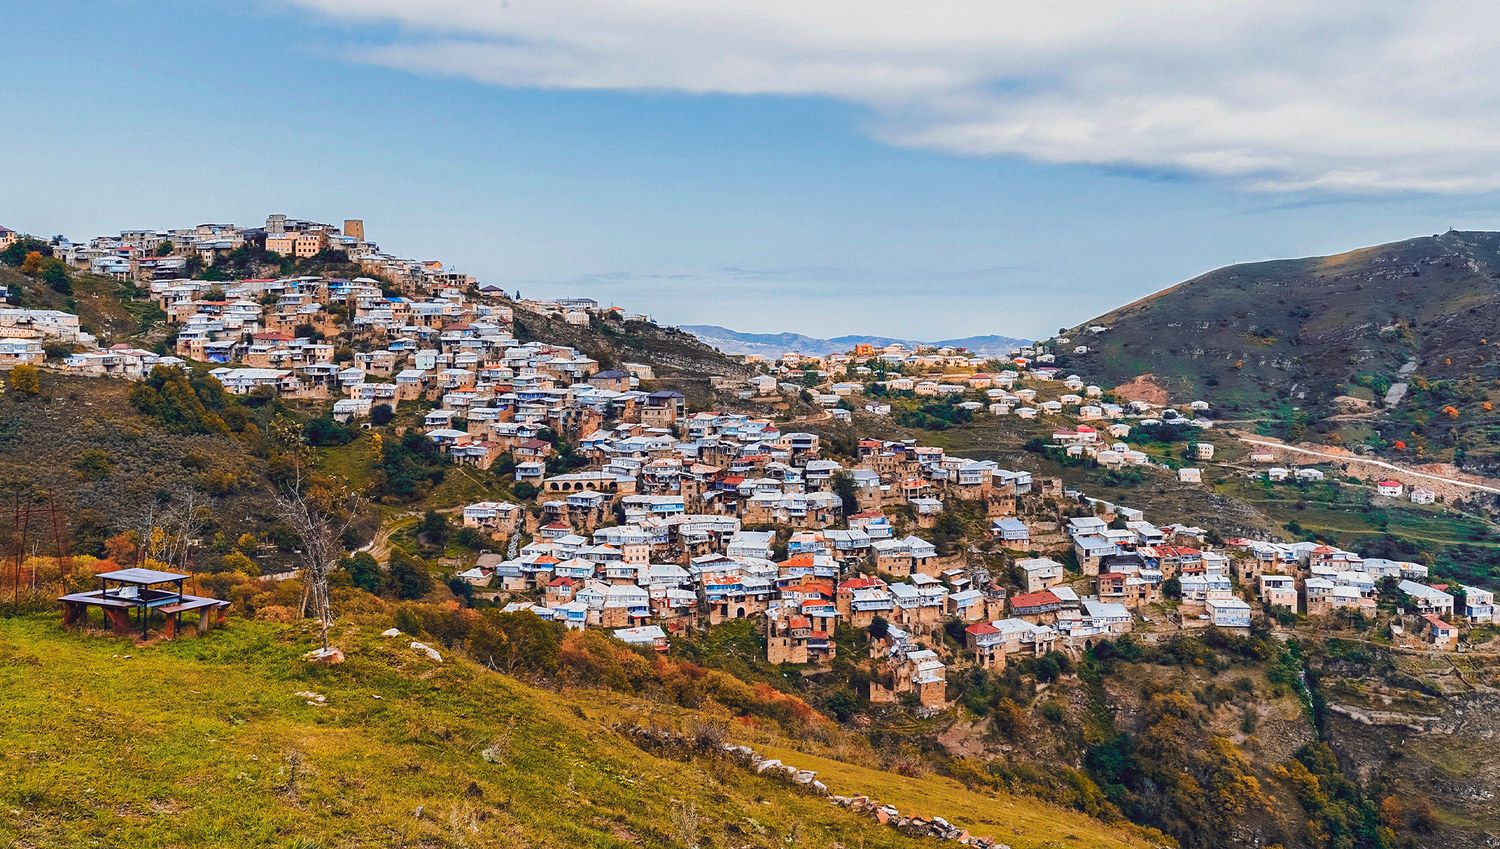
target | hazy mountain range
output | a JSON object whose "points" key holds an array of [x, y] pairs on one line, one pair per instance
{"points": [[735, 342]]}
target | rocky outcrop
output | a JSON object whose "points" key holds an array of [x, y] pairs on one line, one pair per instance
{"points": [[912, 825], [1376, 717]]}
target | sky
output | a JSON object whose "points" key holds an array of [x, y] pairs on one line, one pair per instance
{"points": [[926, 171]]}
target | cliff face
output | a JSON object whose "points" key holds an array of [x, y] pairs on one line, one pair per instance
{"points": [[1383, 749], [1435, 756]]}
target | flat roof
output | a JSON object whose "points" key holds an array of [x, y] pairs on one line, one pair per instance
{"points": [[141, 576]]}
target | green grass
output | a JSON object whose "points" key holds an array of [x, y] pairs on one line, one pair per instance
{"points": [[203, 742], [351, 462], [1320, 513]]}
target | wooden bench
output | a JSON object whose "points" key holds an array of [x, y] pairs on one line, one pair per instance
{"points": [[206, 617], [116, 611]]}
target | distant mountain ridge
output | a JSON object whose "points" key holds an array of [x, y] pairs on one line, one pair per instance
{"points": [[735, 342]]}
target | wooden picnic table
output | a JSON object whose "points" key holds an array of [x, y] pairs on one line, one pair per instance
{"points": [[135, 590]]}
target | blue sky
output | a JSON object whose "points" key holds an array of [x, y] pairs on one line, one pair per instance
{"points": [[765, 201]]}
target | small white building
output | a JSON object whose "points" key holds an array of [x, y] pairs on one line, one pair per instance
{"points": [[1422, 495], [1390, 489]]}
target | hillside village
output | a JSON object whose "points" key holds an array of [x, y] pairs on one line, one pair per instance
{"points": [[664, 520], [836, 528]]}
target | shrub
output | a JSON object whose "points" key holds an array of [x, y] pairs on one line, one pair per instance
{"points": [[1008, 720], [324, 431], [364, 572], [410, 467], [1053, 712], [181, 404], [1046, 669], [237, 562], [434, 526], [92, 464], [410, 578]]}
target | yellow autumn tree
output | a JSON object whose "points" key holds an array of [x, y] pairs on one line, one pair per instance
{"points": [[24, 381]]}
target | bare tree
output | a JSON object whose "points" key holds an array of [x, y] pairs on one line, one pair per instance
{"points": [[319, 509], [168, 530]]}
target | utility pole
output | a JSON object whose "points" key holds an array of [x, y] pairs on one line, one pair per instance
{"points": [[60, 540], [21, 551]]}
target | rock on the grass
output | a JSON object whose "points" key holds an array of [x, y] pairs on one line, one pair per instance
{"points": [[391, 632], [429, 650]]}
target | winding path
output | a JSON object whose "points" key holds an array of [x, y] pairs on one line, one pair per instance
{"points": [[1378, 463]]}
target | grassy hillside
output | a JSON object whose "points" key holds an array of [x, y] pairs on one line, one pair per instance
{"points": [[1283, 340], [680, 360], [108, 467], [214, 742], [109, 309]]}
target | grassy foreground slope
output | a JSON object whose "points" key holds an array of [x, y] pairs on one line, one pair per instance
{"points": [[207, 742]]}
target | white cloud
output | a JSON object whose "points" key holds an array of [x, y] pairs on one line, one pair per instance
{"points": [[1381, 95]]}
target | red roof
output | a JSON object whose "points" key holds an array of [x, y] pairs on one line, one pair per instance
{"points": [[1034, 599], [984, 628], [862, 583], [1389, 483], [563, 581]]}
